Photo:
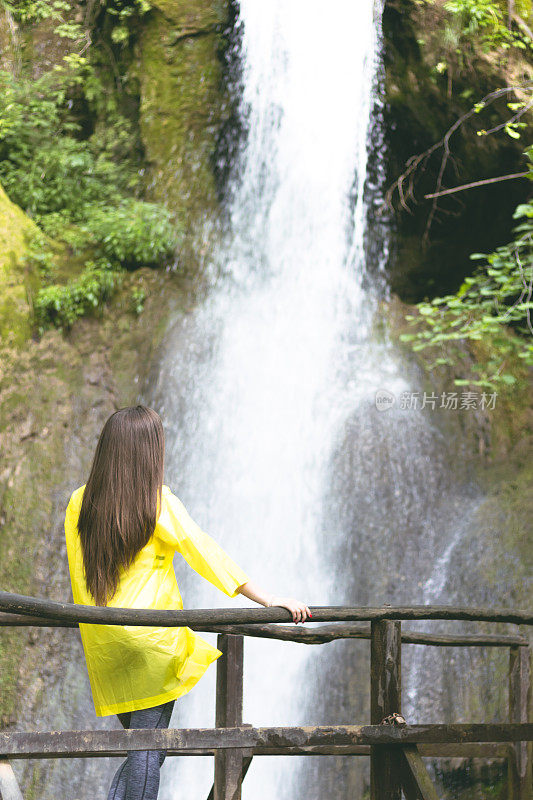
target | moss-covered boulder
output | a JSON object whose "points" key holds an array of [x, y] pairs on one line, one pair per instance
{"points": [[181, 103], [195, 17], [16, 230]]}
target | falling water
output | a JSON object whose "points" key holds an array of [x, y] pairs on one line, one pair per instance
{"points": [[267, 389]]}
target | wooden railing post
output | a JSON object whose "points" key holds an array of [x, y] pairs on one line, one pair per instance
{"points": [[229, 764], [9, 788], [385, 699], [519, 699]]}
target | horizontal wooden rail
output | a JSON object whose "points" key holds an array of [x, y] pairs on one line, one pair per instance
{"points": [[53, 744], [396, 751], [321, 635], [491, 750], [20, 604]]}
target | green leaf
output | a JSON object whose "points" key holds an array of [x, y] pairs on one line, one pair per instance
{"points": [[511, 132]]}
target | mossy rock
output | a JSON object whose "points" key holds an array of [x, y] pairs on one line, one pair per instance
{"points": [[181, 104], [193, 17], [16, 231]]}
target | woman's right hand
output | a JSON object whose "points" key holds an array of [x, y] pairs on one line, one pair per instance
{"points": [[298, 609]]}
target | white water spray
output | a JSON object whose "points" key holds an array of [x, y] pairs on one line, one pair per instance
{"points": [[256, 386], [267, 389]]}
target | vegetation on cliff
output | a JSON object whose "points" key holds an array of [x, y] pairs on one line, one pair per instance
{"points": [[493, 306], [462, 52], [71, 159], [79, 226]]}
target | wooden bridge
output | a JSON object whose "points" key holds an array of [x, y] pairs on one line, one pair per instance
{"points": [[396, 749]]}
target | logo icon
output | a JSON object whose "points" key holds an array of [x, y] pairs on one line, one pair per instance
{"points": [[384, 399]]}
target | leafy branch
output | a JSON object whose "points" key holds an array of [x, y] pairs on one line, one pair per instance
{"points": [[493, 306]]}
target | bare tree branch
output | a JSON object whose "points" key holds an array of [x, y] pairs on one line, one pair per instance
{"points": [[521, 24], [518, 114], [405, 183], [528, 287], [478, 183]]}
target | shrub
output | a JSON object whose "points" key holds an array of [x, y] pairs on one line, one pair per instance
{"points": [[137, 300], [44, 167], [484, 19], [135, 233], [63, 174], [61, 305], [58, 226]]}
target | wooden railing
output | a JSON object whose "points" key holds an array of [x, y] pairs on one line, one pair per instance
{"points": [[396, 749]]}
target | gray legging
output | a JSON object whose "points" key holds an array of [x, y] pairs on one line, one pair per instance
{"points": [[138, 777]]}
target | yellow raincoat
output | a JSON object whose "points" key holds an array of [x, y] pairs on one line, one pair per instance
{"points": [[134, 667]]}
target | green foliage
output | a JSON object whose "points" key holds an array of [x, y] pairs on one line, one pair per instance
{"points": [[47, 165], [41, 260], [29, 12], [71, 159], [34, 109], [60, 306], [138, 297], [58, 225], [125, 13], [483, 21], [61, 174], [494, 307], [44, 168], [134, 233], [116, 20]]}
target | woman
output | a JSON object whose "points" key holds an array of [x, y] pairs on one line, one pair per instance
{"points": [[122, 529]]}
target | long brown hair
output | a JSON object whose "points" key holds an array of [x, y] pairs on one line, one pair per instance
{"points": [[120, 502]]}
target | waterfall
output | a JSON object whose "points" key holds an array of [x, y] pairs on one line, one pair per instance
{"points": [[267, 390]]}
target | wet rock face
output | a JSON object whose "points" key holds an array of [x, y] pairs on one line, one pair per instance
{"points": [[420, 105]]}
